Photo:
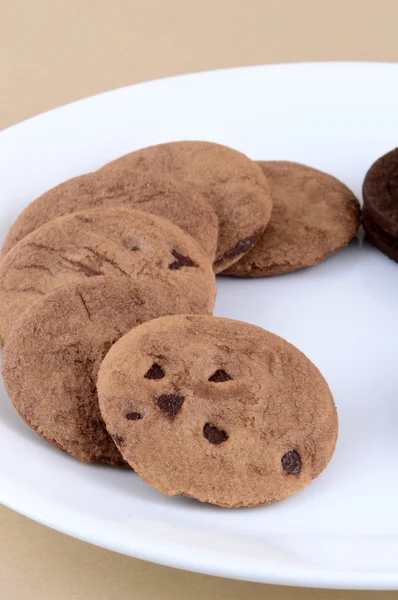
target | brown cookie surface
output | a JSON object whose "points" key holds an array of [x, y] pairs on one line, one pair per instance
{"points": [[113, 241], [380, 193], [218, 410], [231, 182], [157, 194], [52, 356], [313, 216]]}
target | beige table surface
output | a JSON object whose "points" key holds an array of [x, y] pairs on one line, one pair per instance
{"points": [[57, 51]]}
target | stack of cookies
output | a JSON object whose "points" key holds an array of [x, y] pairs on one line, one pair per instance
{"points": [[111, 352], [380, 202]]}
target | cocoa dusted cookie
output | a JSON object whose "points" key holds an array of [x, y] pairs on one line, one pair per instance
{"points": [[231, 182], [218, 410], [111, 241], [380, 199], [52, 356], [313, 216], [157, 194]]}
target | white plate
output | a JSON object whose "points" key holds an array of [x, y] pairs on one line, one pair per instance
{"points": [[341, 531]]}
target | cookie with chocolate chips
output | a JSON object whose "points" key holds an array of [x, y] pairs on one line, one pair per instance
{"points": [[52, 356], [218, 410], [116, 242], [232, 183], [313, 216], [160, 195]]}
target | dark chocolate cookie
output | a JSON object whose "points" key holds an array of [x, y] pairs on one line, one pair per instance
{"points": [[380, 193], [218, 410], [232, 183], [157, 194], [384, 242], [52, 356]]}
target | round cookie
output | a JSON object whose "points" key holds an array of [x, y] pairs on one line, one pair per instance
{"points": [[218, 410], [313, 216], [380, 193], [110, 241], [384, 242], [231, 182], [157, 194], [52, 356]]}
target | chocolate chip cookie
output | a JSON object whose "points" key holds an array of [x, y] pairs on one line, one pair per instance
{"points": [[157, 194], [52, 356], [218, 410], [313, 216], [231, 182], [108, 241]]}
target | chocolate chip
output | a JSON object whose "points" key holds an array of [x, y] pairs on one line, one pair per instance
{"points": [[291, 462], [214, 435], [240, 248], [133, 416], [83, 219], [130, 243], [219, 376], [155, 372], [118, 439], [170, 404], [181, 261]]}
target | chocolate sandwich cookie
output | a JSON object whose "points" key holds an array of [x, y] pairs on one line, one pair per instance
{"points": [[218, 410], [384, 242], [380, 193], [313, 216], [116, 242], [157, 194], [52, 356], [233, 184]]}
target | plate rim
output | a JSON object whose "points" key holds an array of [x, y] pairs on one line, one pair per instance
{"points": [[296, 577], [149, 82]]}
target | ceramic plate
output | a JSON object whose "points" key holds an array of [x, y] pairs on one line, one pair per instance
{"points": [[342, 530]]}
